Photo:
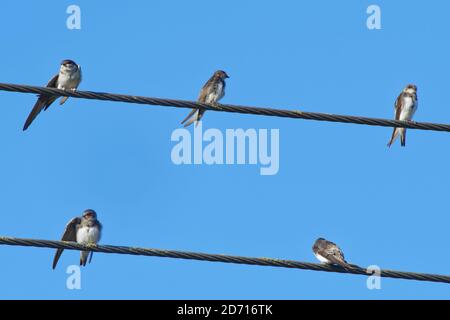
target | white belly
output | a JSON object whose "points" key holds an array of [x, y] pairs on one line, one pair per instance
{"points": [[321, 259], [212, 98], [409, 108], [69, 82], [216, 95], [87, 235]]}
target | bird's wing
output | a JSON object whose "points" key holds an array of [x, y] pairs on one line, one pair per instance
{"points": [[398, 106], [81, 75], [100, 227], [70, 234], [43, 102], [189, 116], [203, 94], [206, 90], [53, 83], [334, 254], [315, 247]]}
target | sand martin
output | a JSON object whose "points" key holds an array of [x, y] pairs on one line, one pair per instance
{"points": [[68, 78], [84, 230], [405, 107], [211, 93], [329, 253]]}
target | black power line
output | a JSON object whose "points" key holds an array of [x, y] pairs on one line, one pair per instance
{"points": [[235, 109], [267, 262], [227, 108]]}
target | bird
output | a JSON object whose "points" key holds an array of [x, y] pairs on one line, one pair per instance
{"points": [[405, 107], [329, 253], [83, 230], [211, 93], [68, 78]]}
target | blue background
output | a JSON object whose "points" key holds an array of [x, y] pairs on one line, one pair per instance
{"points": [[382, 206]]}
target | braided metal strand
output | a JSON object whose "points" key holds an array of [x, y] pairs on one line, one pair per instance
{"points": [[218, 258], [227, 108]]}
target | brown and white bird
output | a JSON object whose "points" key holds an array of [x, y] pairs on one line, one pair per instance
{"points": [[405, 107], [211, 93], [329, 253], [68, 78], [84, 230]]}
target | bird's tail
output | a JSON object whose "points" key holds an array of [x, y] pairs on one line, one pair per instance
{"points": [[34, 112], [190, 116], [63, 99], [394, 136], [42, 104], [194, 116], [91, 254], [403, 137], [340, 261], [201, 112], [56, 258], [84, 255]]}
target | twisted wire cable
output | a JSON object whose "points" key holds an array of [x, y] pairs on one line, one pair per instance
{"points": [[267, 262], [296, 114]]}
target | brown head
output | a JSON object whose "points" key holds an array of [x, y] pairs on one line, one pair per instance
{"points": [[68, 65], [411, 88], [90, 214], [221, 74]]}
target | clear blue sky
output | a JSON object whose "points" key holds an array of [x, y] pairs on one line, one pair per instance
{"points": [[384, 207]]}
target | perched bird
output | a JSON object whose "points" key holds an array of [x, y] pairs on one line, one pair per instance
{"points": [[405, 107], [211, 93], [68, 78], [329, 253], [84, 230]]}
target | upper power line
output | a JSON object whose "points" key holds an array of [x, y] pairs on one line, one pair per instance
{"points": [[296, 114]]}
